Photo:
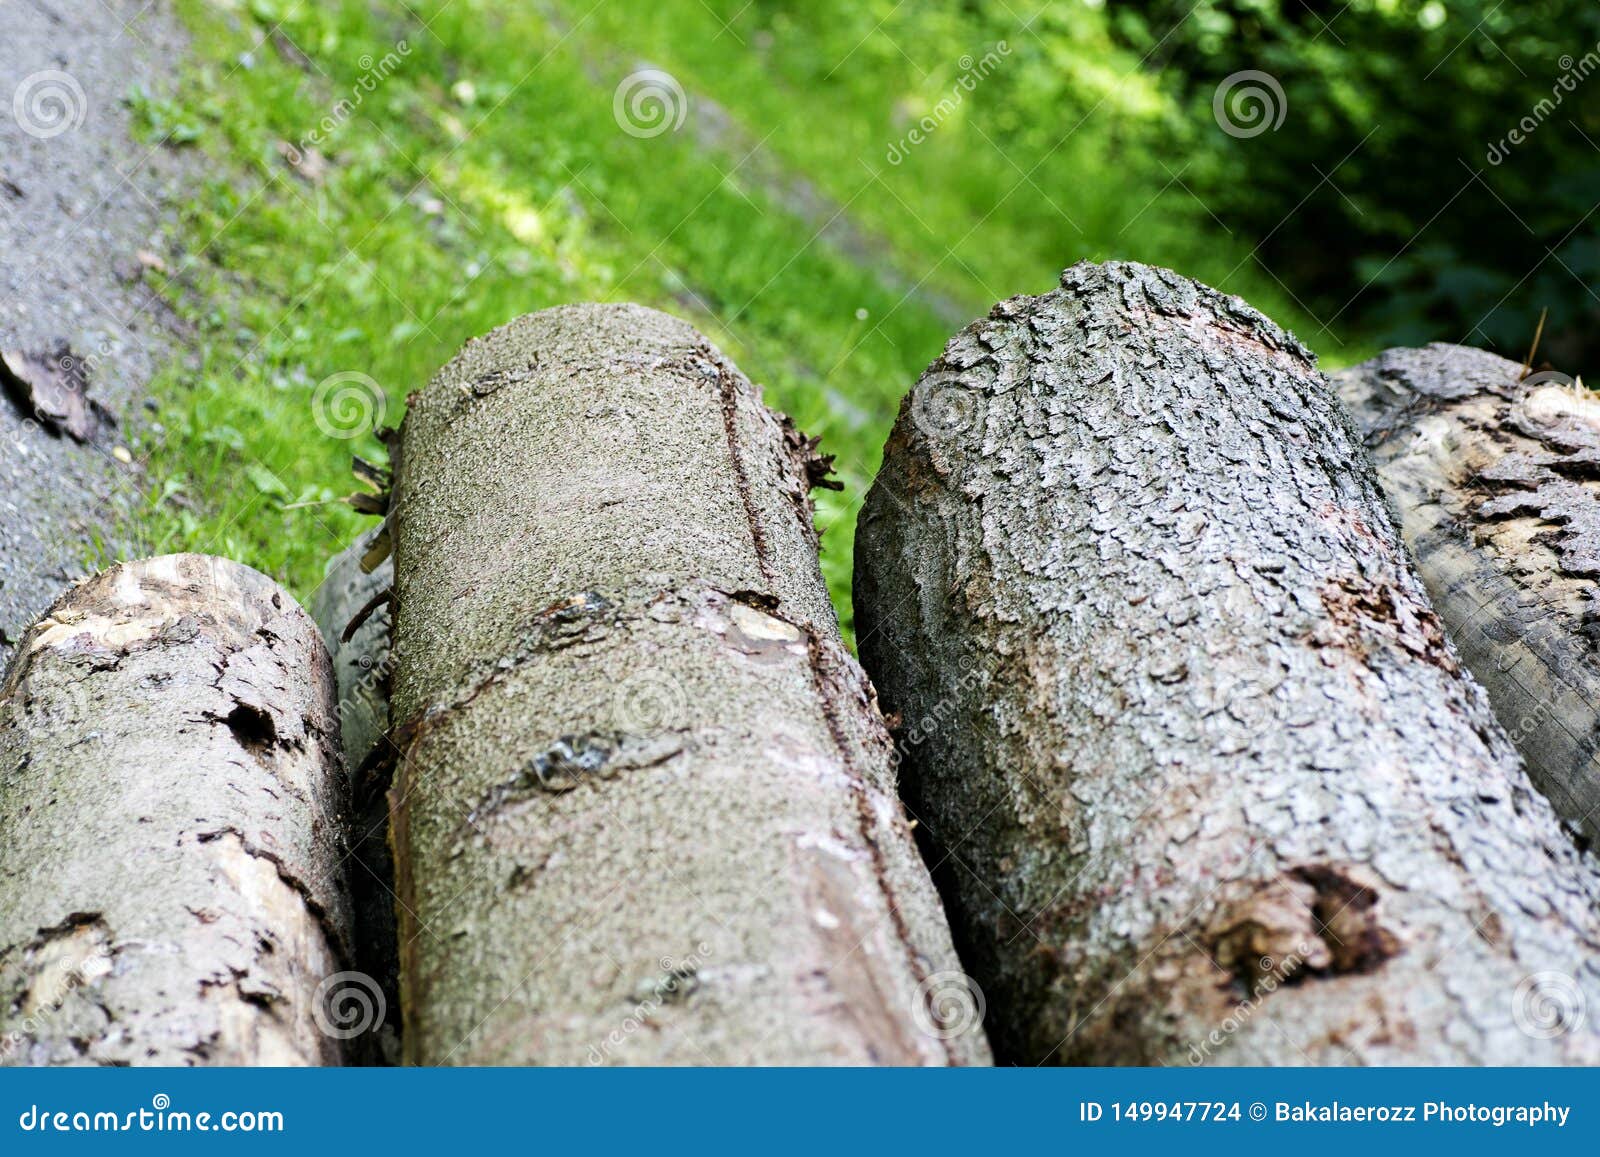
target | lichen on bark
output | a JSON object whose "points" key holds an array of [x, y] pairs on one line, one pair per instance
{"points": [[1495, 479], [1202, 776]]}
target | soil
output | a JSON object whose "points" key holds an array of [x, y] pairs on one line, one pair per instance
{"points": [[84, 213]]}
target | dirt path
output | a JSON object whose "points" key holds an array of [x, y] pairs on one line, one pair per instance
{"points": [[717, 131], [79, 201]]}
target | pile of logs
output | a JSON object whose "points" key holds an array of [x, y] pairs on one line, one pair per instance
{"points": [[1217, 727]]}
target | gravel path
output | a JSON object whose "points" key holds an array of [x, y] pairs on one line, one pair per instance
{"points": [[79, 201]]}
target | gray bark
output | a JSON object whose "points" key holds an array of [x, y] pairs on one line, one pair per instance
{"points": [[361, 661], [646, 809], [1203, 777], [355, 622], [170, 827], [1497, 487]]}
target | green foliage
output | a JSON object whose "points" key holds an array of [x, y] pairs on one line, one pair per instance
{"points": [[1052, 145], [459, 193], [386, 181], [1395, 196]]}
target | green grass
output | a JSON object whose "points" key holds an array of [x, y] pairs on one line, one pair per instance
{"points": [[485, 176]]}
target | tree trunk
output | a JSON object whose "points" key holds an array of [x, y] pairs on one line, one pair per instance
{"points": [[1201, 772], [646, 809], [170, 798], [350, 610], [1497, 485], [344, 605]]}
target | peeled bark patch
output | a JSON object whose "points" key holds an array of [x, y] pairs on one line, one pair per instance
{"points": [[1201, 773], [170, 797], [646, 810], [1496, 481]]}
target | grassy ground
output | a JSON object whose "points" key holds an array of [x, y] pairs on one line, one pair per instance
{"points": [[476, 170]]}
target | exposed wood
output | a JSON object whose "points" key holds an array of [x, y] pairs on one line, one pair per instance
{"points": [[1204, 777], [1496, 482], [171, 800], [646, 811]]}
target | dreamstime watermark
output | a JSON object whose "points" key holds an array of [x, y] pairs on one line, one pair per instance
{"points": [[365, 691], [51, 993], [77, 370], [972, 73], [348, 1004], [1272, 974], [649, 102], [373, 73], [1554, 378], [160, 1117], [26, 429], [1547, 1005], [348, 404], [1249, 103], [945, 710], [948, 1004], [49, 103], [650, 702], [677, 982], [1573, 73], [942, 405]]}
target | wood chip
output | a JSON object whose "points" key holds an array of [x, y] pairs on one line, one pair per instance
{"points": [[53, 387]]}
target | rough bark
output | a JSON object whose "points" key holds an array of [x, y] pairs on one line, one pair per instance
{"points": [[1496, 483], [355, 626], [170, 797], [646, 810], [1203, 777], [350, 610]]}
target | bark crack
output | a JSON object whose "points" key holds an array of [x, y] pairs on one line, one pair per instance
{"points": [[729, 399], [827, 685], [319, 912]]}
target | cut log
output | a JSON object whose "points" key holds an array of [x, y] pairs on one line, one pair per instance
{"points": [[1496, 483], [1203, 778], [351, 610], [170, 827], [646, 809]]}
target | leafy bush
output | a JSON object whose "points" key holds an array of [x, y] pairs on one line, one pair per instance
{"points": [[1397, 191]]}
